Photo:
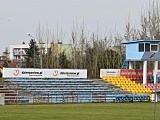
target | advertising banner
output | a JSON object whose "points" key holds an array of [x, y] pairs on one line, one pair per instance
{"points": [[135, 73], [43, 73], [109, 72]]}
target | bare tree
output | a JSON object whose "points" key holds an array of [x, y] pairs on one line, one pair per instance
{"points": [[150, 24]]}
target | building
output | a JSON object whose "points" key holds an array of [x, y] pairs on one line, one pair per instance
{"points": [[18, 53], [144, 51], [58, 48]]}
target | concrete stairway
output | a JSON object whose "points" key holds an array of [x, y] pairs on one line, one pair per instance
{"points": [[12, 92]]}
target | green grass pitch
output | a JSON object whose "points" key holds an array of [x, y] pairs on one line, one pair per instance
{"points": [[81, 111]]}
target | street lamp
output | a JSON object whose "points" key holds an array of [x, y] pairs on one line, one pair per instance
{"points": [[33, 48]]}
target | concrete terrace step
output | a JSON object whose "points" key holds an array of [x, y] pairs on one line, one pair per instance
{"points": [[110, 86]]}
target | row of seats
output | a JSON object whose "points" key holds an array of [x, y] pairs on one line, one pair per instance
{"points": [[132, 97], [54, 85], [152, 86], [127, 84]]}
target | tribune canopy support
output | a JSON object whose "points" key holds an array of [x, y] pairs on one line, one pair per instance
{"points": [[150, 56], [144, 72]]}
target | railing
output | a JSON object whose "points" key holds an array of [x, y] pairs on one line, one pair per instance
{"points": [[76, 98], [68, 91]]}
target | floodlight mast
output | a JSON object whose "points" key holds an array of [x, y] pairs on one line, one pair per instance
{"points": [[155, 98], [33, 48]]}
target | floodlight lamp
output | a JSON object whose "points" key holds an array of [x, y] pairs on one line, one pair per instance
{"points": [[28, 34]]}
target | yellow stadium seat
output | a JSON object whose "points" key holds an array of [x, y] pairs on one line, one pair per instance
{"points": [[127, 84]]}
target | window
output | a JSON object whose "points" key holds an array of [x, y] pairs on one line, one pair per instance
{"points": [[141, 47], [154, 47], [147, 47]]}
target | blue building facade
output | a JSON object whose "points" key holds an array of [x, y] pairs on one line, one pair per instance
{"points": [[141, 50]]}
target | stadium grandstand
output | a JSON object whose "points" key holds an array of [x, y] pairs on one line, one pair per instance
{"points": [[27, 85], [138, 80], [60, 86]]}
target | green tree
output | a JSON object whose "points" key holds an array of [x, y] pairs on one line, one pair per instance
{"points": [[63, 62], [6, 58], [32, 55]]}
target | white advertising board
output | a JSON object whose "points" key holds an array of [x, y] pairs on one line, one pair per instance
{"points": [[109, 72], [43, 73]]}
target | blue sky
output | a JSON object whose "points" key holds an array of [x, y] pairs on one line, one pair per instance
{"points": [[18, 17]]}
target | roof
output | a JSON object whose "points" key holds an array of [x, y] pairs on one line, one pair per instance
{"points": [[151, 56], [140, 41]]}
